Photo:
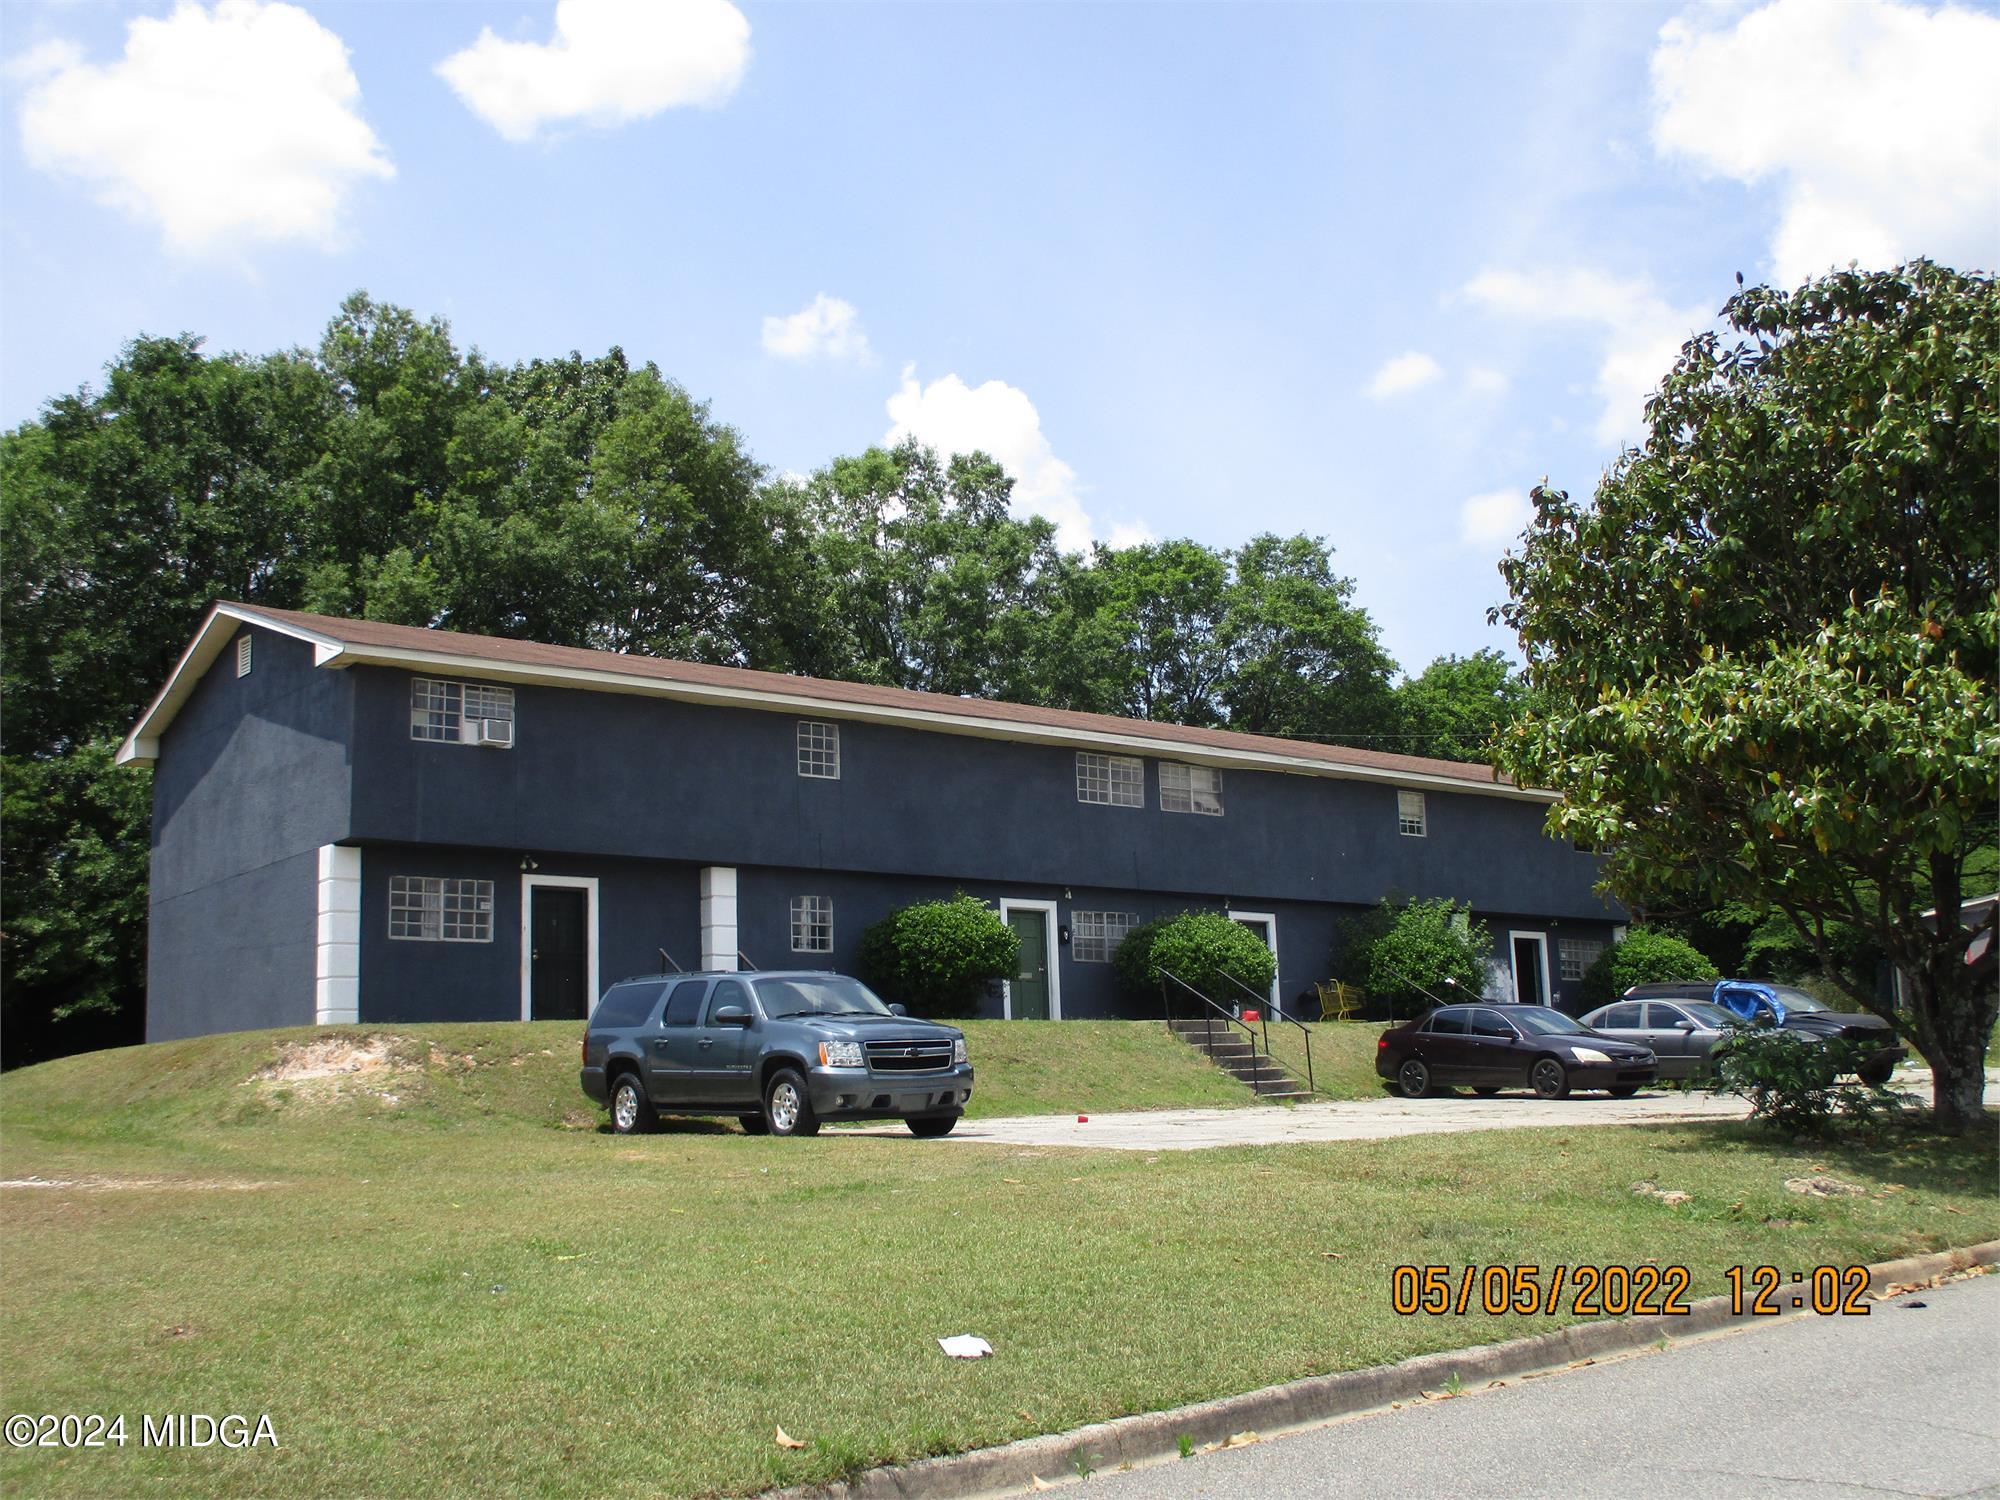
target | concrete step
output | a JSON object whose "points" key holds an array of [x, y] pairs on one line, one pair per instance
{"points": [[1230, 1050]]}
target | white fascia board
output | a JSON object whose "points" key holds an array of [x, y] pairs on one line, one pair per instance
{"points": [[767, 700], [218, 628]]}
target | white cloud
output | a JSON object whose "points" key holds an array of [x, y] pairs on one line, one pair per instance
{"points": [[222, 126], [1131, 534], [1495, 520], [1403, 374], [1482, 381], [609, 62], [1000, 421], [1640, 330], [828, 328], [1881, 122]]}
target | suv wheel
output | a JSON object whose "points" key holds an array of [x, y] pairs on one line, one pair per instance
{"points": [[1878, 1073], [753, 1123], [788, 1107], [927, 1127], [632, 1112], [1413, 1078]]}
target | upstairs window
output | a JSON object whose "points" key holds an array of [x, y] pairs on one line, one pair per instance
{"points": [[427, 909], [812, 924], [819, 750], [456, 713], [1190, 789], [243, 656], [1410, 814], [1095, 935], [1577, 955], [1112, 780]]}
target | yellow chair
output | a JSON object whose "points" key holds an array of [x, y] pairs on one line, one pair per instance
{"points": [[1338, 1002]]}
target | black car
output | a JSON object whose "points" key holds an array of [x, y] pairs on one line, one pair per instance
{"points": [[782, 1051], [1757, 1002], [1492, 1047]]}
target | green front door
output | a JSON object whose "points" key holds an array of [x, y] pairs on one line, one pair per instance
{"points": [[1028, 990]]}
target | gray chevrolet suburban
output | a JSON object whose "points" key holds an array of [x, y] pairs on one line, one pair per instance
{"points": [[782, 1051]]}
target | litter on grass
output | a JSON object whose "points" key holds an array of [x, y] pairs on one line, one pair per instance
{"points": [[965, 1346]]}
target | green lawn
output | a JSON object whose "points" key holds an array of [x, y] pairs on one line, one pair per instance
{"points": [[473, 1289], [1343, 1056]]}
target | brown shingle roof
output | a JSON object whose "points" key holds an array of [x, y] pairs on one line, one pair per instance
{"points": [[370, 636]]}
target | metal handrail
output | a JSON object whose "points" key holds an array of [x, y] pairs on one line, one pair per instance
{"points": [[1264, 1010], [1214, 1013], [749, 964], [667, 959]]}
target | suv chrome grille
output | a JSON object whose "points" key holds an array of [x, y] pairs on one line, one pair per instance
{"points": [[909, 1057]]}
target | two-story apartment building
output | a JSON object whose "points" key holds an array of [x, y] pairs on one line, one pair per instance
{"points": [[357, 821]]}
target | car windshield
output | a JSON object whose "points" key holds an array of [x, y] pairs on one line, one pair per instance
{"points": [[1545, 1022], [818, 995], [1712, 1016], [1794, 998]]}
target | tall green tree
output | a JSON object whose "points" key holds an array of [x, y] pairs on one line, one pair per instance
{"points": [[931, 582], [1456, 705], [1764, 655]]}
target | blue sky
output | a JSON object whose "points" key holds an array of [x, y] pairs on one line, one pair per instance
{"points": [[1363, 271]]}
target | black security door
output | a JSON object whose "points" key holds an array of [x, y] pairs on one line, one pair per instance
{"points": [[559, 958]]}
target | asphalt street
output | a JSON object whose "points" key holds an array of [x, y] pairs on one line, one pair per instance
{"points": [[1905, 1401]]}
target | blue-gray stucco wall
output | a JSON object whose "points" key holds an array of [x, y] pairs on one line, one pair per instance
{"points": [[615, 775], [252, 778]]}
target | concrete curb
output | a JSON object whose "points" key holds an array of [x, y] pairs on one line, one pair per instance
{"points": [[1151, 1436]]}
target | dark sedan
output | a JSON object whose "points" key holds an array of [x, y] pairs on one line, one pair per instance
{"points": [[1492, 1047]]}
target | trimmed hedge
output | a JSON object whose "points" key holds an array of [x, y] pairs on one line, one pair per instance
{"points": [[1198, 947], [936, 956], [1396, 953], [1645, 957]]}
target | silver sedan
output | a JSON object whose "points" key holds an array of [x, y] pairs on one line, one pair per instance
{"points": [[1682, 1033]]}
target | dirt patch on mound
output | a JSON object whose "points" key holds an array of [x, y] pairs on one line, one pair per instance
{"points": [[329, 1068]]}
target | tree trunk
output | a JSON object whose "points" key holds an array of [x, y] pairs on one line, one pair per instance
{"points": [[1953, 1018]]}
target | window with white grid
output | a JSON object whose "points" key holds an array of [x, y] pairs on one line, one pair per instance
{"points": [[439, 708], [1095, 935], [1190, 789], [1577, 955], [812, 924], [426, 908], [1410, 814], [819, 749], [1113, 780]]}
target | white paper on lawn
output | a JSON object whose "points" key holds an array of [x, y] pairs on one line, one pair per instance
{"points": [[965, 1346]]}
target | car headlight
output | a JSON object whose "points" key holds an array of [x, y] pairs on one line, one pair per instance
{"points": [[1589, 1055], [958, 1052], [841, 1055]]}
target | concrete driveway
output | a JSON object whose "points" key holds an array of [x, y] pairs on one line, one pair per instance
{"points": [[1355, 1120]]}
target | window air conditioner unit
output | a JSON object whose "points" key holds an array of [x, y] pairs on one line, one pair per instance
{"points": [[497, 732]]}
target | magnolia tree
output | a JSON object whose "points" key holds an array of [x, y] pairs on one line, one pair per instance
{"points": [[1762, 659]]}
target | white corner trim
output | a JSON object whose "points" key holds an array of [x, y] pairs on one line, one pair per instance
{"points": [[1048, 908], [719, 940], [592, 987], [337, 948]]}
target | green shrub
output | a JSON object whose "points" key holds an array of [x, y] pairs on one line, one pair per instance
{"points": [[936, 956], [1397, 953], [1794, 1080], [1645, 957], [1199, 947]]}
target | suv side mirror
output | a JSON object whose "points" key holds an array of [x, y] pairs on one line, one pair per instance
{"points": [[895, 1009], [730, 1015], [1684, 1024]]}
